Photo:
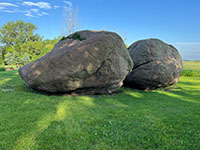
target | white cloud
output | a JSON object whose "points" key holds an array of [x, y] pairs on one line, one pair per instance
{"points": [[40, 15], [1, 7], [31, 13], [8, 4], [30, 9], [55, 6], [28, 15], [11, 11], [44, 13], [43, 5], [34, 10], [68, 2]]}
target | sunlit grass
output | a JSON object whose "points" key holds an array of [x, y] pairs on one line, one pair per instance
{"points": [[136, 120], [191, 68]]}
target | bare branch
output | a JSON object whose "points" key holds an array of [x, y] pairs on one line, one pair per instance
{"points": [[70, 20]]}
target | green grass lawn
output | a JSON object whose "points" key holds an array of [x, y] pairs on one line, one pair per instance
{"points": [[191, 68], [131, 120]]}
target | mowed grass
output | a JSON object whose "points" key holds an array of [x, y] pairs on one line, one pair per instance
{"points": [[166, 119], [191, 68]]}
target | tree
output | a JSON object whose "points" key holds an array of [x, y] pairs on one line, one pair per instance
{"points": [[9, 59], [14, 34], [16, 59], [70, 20], [44, 48], [1, 55], [26, 59], [18, 37], [33, 48]]}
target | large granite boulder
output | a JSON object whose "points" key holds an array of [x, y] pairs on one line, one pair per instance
{"points": [[87, 62], [156, 64]]}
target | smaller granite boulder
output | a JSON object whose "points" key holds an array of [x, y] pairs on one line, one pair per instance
{"points": [[156, 64], [86, 62]]}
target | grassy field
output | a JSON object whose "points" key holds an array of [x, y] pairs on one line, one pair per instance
{"points": [[191, 68], [131, 120]]}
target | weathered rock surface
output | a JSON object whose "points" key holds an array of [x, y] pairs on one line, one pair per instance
{"points": [[156, 64], [94, 63]]}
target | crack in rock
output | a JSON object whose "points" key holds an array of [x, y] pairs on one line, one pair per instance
{"points": [[142, 64]]}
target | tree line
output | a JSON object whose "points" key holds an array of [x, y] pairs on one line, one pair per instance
{"points": [[19, 44]]}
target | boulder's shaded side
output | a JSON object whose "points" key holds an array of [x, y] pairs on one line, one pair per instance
{"points": [[87, 62], [156, 64]]}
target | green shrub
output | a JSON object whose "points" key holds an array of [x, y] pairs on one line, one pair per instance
{"points": [[1, 56], [191, 73], [2, 69], [75, 36], [9, 59], [16, 59], [26, 59], [63, 38]]}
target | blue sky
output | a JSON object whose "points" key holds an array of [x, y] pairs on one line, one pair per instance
{"points": [[174, 21]]}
